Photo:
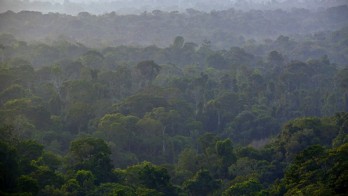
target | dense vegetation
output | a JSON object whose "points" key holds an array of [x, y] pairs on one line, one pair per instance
{"points": [[265, 118], [223, 28]]}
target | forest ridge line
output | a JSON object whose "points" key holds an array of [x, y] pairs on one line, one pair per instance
{"points": [[222, 28]]}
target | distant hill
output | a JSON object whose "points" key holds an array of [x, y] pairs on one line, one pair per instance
{"points": [[223, 28]]}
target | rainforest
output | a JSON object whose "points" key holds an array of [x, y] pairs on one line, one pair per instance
{"points": [[198, 102]]}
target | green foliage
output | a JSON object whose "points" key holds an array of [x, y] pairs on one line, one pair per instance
{"points": [[224, 150], [303, 132], [138, 105], [154, 178], [72, 187], [248, 187], [51, 160], [146, 72], [201, 184], [45, 176], [211, 116], [150, 177], [91, 154], [86, 180], [338, 173], [29, 151], [188, 160], [27, 184], [342, 123], [92, 59], [14, 91], [307, 166], [178, 42], [114, 189], [248, 126], [147, 192], [8, 167], [317, 170]]}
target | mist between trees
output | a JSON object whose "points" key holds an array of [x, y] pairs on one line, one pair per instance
{"points": [[168, 103]]}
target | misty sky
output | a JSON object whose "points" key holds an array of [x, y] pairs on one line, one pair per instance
{"points": [[89, 1], [134, 4], [139, 6]]}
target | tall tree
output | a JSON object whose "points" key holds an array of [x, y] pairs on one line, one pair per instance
{"points": [[91, 154]]}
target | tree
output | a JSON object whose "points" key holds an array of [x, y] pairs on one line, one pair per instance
{"points": [[275, 58], [77, 117], [120, 131], [46, 176], [140, 103], [170, 120], [9, 170], [23, 72], [120, 83], [30, 111], [306, 167], [86, 180], [14, 91], [217, 61], [338, 174], [343, 82], [224, 150], [114, 189], [150, 143], [29, 151], [249, 187], [187, 165], [201, 184], [301, 133], [6, 78], [188, 161], [147, 70], [72, 187], [219, 111], [91, 154], [92, 59], [27, 184], [80, 91], [342, 123], [154, 177], [51, 160], [178, 42], [150, 177], [318, 170]]}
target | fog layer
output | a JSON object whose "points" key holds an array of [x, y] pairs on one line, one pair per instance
{"points": [[222, 28], [139, 6]]}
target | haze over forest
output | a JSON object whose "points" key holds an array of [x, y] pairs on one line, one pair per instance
{"points": [[159, 97], [139, 6], [224, 28]]}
